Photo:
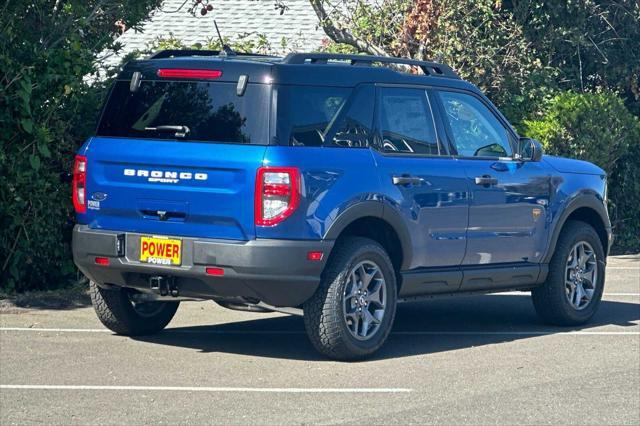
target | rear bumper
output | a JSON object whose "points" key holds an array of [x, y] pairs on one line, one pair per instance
{"points": [[276, 272]]}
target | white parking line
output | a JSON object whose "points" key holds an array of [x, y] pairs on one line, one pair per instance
{"points": [[622, 294], [526, 293], [627, 268], [294, 332], [207, 389]]}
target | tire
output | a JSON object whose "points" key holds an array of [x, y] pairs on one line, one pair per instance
{"points": [[116, 311], [551, 300], [325, 313]]}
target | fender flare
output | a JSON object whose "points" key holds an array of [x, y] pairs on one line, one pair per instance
{"points": [[584, 200], [378, 210]]}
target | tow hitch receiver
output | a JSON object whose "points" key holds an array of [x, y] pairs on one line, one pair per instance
{"points": [[164, 285]]}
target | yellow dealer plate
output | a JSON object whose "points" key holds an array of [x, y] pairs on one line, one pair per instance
{"points": [[160, 250]]}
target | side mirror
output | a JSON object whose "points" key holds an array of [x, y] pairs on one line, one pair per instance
{"points": [[530, 149]]}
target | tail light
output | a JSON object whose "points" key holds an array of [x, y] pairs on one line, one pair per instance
{"points": [[80, 184], [277, 194]]}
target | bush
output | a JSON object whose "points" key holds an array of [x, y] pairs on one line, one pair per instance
{"points": [[625, 180], [597, 127], [46, 111]]}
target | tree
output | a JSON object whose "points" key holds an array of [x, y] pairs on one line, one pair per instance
{"points": [[592, 43], [46, 110]]}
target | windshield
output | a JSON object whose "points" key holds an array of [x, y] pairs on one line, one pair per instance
{"points": [[193, 111]]}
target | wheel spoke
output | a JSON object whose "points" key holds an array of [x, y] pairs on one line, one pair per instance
{"points": [[579, 295], [588, 294], [378, 314], [590, 277], [573, 259], [375, 296], [366, 277], [352, 286], [581, 255], [352, 321], [572, 293], [365, 326]]}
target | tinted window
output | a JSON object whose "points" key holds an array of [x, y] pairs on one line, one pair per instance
{"points": [[476, 131], [305, 113], [212, 112], [406, 123], [354, 129]]}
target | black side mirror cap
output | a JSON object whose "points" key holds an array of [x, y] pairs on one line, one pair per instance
{"points": [[530, 149]]}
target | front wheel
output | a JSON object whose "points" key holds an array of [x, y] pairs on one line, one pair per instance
{"points": [[351, 314], [120, 314], [573, 289]]}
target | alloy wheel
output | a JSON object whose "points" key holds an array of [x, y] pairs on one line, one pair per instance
{"points": [[364, 300]]}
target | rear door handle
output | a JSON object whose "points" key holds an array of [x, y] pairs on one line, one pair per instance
{"points": [[407, 180], [486, 180]]}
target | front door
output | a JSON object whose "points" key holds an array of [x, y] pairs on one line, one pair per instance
{"points": [[509, 197]]}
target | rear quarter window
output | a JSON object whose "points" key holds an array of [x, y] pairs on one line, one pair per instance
{"points": [[305, 113], [211, 111]]}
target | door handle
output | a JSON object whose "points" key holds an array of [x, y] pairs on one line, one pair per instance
{"points": [[486, 180], [407, 180]]}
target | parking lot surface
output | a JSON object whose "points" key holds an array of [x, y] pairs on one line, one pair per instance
{"points": [[468, 359]]}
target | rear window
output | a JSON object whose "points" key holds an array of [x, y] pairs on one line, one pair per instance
{"points": [[306, 113], [193, 111]]}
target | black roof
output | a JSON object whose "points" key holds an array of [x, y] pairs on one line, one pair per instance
{"points": [[302, 68]]}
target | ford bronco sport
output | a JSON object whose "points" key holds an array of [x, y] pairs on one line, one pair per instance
{"points": [[334, 186]]}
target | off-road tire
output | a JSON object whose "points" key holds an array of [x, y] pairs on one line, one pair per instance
{"points": [[323, 312], [117, 313], [550, 300]]}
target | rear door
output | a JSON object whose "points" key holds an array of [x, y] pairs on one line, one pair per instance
{"points": [[178, 157], [428, 187]]}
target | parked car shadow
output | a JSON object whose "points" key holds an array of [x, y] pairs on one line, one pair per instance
{"points": [[420, 328]]}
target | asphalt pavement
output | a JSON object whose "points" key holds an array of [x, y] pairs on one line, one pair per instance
{"points": [[470, 359]]}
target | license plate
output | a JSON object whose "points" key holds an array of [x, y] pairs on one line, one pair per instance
{"points": [[160, 250]]}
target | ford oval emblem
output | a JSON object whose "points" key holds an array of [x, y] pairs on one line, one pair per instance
{"points": [[99, 196]]}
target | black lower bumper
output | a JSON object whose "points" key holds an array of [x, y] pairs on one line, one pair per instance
{"points": [[276, 272]]}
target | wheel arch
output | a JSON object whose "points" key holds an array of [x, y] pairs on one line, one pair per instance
{"points": [[588, 209], [371, 220]]}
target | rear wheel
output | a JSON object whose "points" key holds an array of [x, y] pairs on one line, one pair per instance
{"points": [[351, 313], [120, 314], [573, 289]]}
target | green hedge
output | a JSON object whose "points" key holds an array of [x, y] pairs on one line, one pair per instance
{"points": [[46, 111], [597, 127]]}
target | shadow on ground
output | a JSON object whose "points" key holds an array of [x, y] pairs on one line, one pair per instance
{"points": [[284, 337], [70, 298]]}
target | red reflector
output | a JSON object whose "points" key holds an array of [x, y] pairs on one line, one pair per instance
{"points": [[102, 261], [188, 73], [315, 256], [216, 272]]}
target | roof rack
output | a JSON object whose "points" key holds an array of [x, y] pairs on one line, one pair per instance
{"points": [[178, 53], [429, 68]]}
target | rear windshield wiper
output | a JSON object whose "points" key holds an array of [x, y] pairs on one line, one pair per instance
{"points": [[179, 131]]}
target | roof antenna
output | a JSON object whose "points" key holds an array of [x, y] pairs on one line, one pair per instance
{"points": [[226, 50]]}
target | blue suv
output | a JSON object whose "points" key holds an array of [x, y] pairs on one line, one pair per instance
{"points": [[333, 186]]}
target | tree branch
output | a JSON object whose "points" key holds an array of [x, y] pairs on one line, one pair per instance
{"points": [[340, 35]]}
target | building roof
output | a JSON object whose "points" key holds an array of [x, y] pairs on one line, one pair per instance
{"points": [[237, 19]]}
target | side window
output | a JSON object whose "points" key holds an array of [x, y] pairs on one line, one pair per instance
{"points": [[405, 122], [475, 129], [305, 113], [354, 128]]}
